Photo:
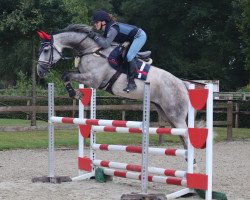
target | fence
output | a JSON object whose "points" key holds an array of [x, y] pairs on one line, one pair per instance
{"points": [[224, 103]]}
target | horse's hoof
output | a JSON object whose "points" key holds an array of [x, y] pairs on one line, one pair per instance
{"points": [[196, 168], [72, 93], [79, 95]]}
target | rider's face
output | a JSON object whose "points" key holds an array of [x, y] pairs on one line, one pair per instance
{"points": [[100, 25]]}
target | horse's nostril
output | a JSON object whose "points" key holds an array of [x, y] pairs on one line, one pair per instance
{"points": [[41, 74]]}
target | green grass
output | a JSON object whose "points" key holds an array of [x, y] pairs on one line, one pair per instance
{"points": [[68, 138], [18, 122], [238, 134]]}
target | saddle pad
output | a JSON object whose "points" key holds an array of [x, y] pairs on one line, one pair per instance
{"points": [[142, 70], [117, 62]]}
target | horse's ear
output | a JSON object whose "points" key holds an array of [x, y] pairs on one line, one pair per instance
{"points": [[44, 36], [40, 35]]}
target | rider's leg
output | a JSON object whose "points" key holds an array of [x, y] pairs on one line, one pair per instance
{"points": [[135, 47], [131, 71]]}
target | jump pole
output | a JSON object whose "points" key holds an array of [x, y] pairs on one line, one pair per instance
{"points": [[125, 129], [191, 178], [143, 126]]}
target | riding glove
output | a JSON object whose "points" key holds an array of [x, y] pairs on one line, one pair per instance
{"points": [[92, 35]]}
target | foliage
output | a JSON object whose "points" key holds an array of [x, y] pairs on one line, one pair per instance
{"points": [[23, 86], [19, 22], [191, 39], [244, 89], [244, 27], [78, 10]]}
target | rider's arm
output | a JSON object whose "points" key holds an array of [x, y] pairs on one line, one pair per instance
{"points": [[106, 42]]}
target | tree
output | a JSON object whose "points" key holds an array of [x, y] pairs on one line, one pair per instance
{"points": [[19, 22], [18, 25], [191, 39], [243, 23]]}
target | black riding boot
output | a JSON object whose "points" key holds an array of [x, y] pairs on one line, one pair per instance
{"points": [[131, 82]]}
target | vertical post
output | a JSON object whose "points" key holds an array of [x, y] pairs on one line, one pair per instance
{"points": [[28, 104], [209, 142], [92, 134], [123, 112], [237, 110], [191, 121], [229, 121], [74, 108], [160, 137], [33, 100], [80, 137], [145, 138], [51, 112]]}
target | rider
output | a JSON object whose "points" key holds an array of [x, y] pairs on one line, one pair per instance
{"points": [[119, 32]]}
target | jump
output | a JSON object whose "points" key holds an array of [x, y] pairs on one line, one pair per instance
{"points": [[168, 93]]}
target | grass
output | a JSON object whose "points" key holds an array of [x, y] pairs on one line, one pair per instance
{"points": [[18, 122], [238, 134], [68, 139]]}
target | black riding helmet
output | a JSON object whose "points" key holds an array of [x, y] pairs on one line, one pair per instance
{"points": [[101, 16]]}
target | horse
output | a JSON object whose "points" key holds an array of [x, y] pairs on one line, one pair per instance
{"points": [[167, 92]]}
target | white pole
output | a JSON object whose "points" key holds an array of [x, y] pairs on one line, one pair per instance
{"points": [[145, 138], [209, 142], [191, 121], [92, 133], [80, 137], [51, 112]]}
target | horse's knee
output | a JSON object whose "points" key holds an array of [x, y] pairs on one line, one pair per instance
{"points": [[66, 76], [70, 89]]}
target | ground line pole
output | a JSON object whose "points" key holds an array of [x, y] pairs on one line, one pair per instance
{"points": [[51, 112], [145, 138]]}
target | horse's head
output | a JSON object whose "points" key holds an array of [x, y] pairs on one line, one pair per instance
{"points": [[49, 54]]}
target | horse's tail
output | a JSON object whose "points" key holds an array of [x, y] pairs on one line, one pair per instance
{"points": [[186, 83]]}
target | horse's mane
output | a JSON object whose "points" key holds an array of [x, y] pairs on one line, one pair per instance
{"points": [[79, 28]]}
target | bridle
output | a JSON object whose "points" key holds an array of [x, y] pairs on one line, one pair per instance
{"points": [[51, 62]]}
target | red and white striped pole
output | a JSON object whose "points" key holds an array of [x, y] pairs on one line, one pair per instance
{"points": [[137, 168], [158, 131], [137, 176], [97, 122], [138, 149]]}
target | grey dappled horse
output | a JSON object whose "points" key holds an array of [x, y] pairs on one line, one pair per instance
{"points": [[168, 93]]}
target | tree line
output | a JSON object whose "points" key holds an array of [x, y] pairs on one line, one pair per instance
{"points": [[192, 39]]}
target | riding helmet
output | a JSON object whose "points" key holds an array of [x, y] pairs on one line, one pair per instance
{"points": [[101, 16]]}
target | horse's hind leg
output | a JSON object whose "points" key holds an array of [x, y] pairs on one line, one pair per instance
{"points": [[173, 123], [178, 122]]}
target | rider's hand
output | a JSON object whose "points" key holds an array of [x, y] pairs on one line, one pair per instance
{"points": [[92, 35]]}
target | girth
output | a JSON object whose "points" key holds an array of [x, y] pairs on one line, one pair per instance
{"points": [[112, 80]]}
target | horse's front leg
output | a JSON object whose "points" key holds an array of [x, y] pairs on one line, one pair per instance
{"points": [[69, 76]]}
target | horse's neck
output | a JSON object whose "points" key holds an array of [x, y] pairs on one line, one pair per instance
{"points": [[98, 67], [74, 41]]}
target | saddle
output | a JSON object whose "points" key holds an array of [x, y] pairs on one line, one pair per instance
{"points": [[143, 61], [143, 55]]}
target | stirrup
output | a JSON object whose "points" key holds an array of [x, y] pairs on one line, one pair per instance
{"points": [[130, 88]]}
